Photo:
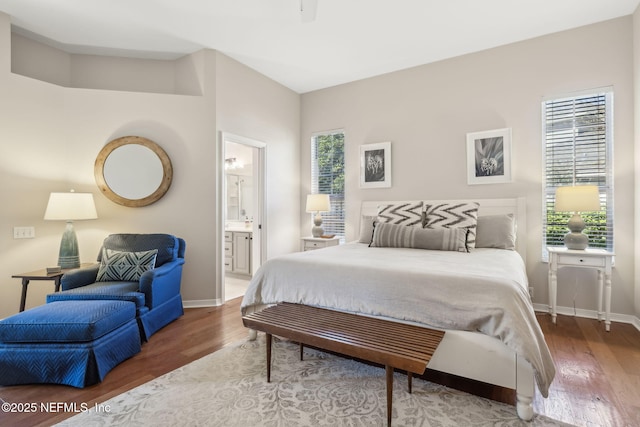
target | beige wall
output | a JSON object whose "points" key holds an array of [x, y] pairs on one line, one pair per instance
{"points": [[636, 94], [50, 136], [250, 105], [426, 112], [33, 59]]}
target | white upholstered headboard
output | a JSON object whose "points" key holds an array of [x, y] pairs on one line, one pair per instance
{"points": [[515, 206]]}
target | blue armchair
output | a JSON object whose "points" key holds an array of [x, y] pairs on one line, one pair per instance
{"points": [[156, 292]]}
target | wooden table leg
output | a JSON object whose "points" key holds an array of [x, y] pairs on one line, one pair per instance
{"points": [[389, 370], [268, 358], [409, 381], [301, 351], [23, 297]]}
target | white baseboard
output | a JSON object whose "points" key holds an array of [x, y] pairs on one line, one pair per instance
{"points": [[589, 314], [200, 303]]}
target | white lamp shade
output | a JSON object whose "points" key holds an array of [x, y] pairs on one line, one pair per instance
{"points": [[70, 207], [579, 198], [318, 203]]}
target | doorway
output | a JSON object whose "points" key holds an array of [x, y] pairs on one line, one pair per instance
{"points": [[243, 212]]}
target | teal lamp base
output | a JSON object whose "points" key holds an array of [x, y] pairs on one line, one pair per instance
{"points": [[68, 256]]}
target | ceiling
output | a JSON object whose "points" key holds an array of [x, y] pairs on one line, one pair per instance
{"points": [[349, 39]]}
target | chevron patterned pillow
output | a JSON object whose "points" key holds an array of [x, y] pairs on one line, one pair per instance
{"points": [[404, 213], [125, 266], [453, 215]]}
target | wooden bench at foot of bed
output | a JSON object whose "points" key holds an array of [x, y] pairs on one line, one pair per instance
{"points": [[392, 344]]}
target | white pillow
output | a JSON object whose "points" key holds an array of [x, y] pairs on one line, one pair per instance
{"points": [[366, 228], [496, 231]]}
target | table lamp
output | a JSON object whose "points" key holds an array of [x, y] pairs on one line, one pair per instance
{"points": [[579, 198], [69, 207], [318, 203]]}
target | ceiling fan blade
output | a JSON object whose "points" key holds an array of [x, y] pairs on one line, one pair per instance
{"points": [[308, 9]]}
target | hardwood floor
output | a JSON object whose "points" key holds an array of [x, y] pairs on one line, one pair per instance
{"points": [[597, 381]]}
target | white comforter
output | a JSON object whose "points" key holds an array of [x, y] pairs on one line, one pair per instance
{"points": [[483, 291]]}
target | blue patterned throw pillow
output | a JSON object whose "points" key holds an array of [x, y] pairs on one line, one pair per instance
{"points": [[125, 266]]}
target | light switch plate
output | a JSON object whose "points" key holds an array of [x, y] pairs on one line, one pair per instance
{"points": [[24, 232]]}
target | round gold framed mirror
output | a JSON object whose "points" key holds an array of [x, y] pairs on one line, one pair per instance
{"points": [[133, 171]]}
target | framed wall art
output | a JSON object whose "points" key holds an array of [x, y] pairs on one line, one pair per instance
{"points": [[375, 165], [489, 157]]}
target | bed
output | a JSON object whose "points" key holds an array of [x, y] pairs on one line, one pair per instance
{"points": [[477, 295]]}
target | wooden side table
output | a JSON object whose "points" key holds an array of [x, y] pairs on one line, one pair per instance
{"points": [[598, 259], [39, 275], [311, 243]]}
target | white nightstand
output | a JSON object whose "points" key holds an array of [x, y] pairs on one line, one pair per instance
{"points": [[598, 259], [311, 243]]}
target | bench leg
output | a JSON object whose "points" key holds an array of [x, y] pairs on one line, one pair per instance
{"points": [[301, 350], [409, 380], [389, 370], [268, 358]]}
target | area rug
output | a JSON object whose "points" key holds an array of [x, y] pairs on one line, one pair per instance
{"points": [[229, 388]]}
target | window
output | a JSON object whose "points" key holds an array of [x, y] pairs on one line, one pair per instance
{"points": [[327, 177], [578, 150]]}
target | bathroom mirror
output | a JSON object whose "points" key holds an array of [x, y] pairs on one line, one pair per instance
{"points": [[133, 171]]}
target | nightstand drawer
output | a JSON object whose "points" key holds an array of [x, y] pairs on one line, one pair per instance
{"points": [[586, 261], [314, 245], [311, 243]]}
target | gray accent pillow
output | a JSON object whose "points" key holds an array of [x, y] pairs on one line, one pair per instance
{"points": [[453, 215], [366, 228], [125, 266], [403, 213], [496, 231], [387, 235]]}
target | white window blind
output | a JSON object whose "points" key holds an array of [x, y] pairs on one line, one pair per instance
{"points": [[327, 177], [578, 150]]}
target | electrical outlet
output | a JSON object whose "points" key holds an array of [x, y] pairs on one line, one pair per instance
{"points": [[531, 291], [24, 232]]}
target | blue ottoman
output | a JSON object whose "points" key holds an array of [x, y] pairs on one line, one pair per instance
{"points": [[67, 342]]}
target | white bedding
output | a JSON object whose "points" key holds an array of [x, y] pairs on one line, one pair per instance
{"points": [[483, 291]]}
